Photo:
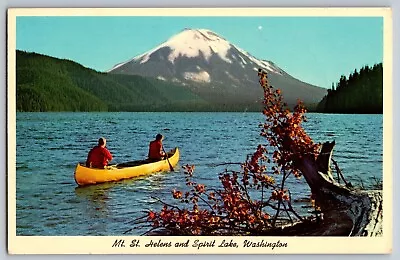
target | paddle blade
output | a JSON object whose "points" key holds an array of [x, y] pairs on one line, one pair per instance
{"points": [[170, 166]]}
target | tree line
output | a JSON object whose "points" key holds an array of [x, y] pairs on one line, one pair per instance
{"points": [[361, 92], [47, 84], [44, 83]]}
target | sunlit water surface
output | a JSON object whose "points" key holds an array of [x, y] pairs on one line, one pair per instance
{"points": [[49, 145]]}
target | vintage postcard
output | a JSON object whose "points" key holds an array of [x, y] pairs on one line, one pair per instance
{"points": [[199, 131]]}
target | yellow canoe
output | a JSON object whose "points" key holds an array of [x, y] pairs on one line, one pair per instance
{"points": [[85, 176]]}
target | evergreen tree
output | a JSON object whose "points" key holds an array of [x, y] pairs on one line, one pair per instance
{"points": [[45, 83], [361, 92]]}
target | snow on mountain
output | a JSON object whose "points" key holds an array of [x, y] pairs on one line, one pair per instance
{"points": [[192, 43], [260, 63], [201, 76], [200, 56]]}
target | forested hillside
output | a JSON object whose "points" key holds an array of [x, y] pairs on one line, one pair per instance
{"points": [[361, 92], [49, 84]]}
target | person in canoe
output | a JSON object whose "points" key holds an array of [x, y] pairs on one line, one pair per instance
{"points": [[156, 150], [99, 156]]}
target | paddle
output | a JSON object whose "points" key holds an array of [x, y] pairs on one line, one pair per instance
{"points": [[170, 166]]}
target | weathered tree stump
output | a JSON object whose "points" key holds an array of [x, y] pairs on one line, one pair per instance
{"points": [[346, 211]]}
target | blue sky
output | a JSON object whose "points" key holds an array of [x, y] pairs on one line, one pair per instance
{"points": [[317, 50]]}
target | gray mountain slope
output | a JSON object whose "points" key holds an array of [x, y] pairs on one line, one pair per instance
{"points": [[230, 78]]}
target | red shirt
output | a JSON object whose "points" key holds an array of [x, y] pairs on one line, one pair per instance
{"points": [[155, 150], [98, 157]]}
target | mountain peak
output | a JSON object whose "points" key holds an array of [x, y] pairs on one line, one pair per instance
{"points": [[203, 60], [206, 34], [192, 43], [199, 43]]}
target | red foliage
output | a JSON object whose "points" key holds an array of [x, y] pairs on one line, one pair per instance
{"points": [[231, 209]]}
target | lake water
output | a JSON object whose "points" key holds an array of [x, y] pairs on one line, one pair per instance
{"points": [[49, 145]]}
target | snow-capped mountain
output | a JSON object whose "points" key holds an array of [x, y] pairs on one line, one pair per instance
{"points": [[215, 68]]}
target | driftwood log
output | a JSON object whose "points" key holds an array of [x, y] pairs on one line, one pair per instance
{"points": [[346, 211]]}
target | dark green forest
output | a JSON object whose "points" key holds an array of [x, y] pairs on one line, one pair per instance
{"points": [[360, 93], [46, 83], [49, 84]]}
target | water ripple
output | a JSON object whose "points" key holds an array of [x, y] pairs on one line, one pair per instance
{"points": [[49, 145]]}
